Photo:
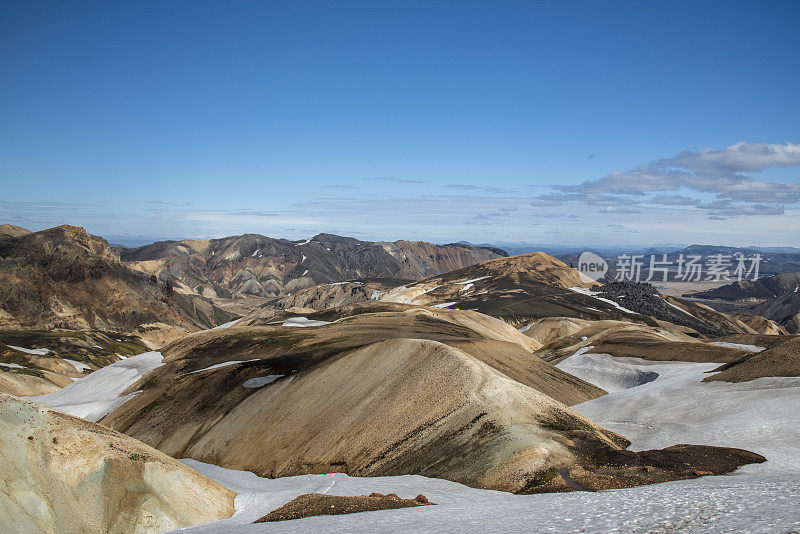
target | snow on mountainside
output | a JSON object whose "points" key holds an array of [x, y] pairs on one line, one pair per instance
{"points": [[100, 392]]}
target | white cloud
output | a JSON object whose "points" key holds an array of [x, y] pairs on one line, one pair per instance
{"points": [[740, 157], [715, 171]]}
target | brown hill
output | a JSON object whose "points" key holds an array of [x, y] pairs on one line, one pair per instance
{"points": [[253, 264], [433, 392], [760, 324], [64, 474], [66, 278], [10, 230], [782, 359]]}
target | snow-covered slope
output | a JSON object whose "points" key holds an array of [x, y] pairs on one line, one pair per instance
{"points": [[100, 392], [606, 371]]}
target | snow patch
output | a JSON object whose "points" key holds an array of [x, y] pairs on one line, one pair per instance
{"points": [[223, 364], [749, 348], [227, 325], [79, 366], [99, 393], [37, 352], [588, 292], [605, 371], [443, 305], [527, 327], [259, 381], [303, 322], [467, 282], [12, 365]]}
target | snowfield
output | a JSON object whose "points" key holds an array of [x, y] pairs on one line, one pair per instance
{"points": [[99, 393], [604, 371], [674, 407]]}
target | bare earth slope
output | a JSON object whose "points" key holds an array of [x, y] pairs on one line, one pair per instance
{"points": [[367, 396], [67, 278], [780, 360], [63, 474], [10, 230]]}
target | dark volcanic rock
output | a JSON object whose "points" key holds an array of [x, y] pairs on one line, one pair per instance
{"points": [[644, 299], [311, 504]]}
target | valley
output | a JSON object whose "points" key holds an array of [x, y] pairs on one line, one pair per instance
{"points": [[510, 382]]}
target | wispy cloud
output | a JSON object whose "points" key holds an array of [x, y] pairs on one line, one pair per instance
{"points": [[396, 180], [674, 200], [482, 188]]}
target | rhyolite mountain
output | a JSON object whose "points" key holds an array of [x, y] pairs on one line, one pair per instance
{"points": [[65, 278], [257, 265]]}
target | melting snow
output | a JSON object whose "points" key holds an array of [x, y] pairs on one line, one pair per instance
{"points": [[304, 258], [304, 272], [100, 392], [253, 255], [678, 307], [223, 364], [606, 371], [13, 365], [443, 305], [79, 366], [303, 321], [306, 242], [473, 280], [750, 348], [585, 291], [260, 381], [226, 325], [37, 352]]}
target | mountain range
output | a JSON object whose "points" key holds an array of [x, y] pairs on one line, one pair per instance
{"points": [[260, 266]]}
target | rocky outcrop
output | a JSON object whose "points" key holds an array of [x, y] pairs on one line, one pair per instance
{"points": [[63, 474]]}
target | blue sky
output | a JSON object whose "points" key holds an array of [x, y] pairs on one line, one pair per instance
{"points": [[574, 123]]}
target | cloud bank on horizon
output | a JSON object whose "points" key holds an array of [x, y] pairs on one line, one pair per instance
{"points": [[707, 195]]}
